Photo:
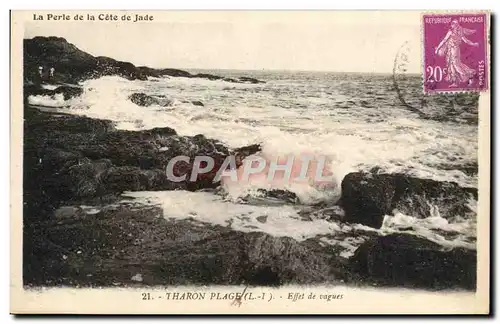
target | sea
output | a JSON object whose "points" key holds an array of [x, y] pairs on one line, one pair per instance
{"points": [[357, 120]]}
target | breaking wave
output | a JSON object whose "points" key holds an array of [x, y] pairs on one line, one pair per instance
{"points": [[357, 123]]}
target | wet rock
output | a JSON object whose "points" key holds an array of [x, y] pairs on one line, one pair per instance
{"points": [[162, 131], [250, 80], [55, 160], [128, 241], [83, 180], [333, 213], [73, 65], [68, 92], [245, 151], [261, 219], [469, 168], [407, 260], [94, 179], [274, 197], [207, 76], [197, 103], [110, 66], [150, 149], [283, 195], [120, 179], [366, 201], [70, 63], [142, 99], [247, 258], [73, 157], [230, 80], [39, 123], [67, 212], [158, 73], [367, 197]]}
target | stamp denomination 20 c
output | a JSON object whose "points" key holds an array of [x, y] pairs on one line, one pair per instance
{"points": [[455, 52]]}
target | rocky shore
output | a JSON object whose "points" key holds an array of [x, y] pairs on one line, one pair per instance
{"points": [[73, 65], [78, 232], [73, 161]]}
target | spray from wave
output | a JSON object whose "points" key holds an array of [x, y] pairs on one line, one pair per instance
{"points": [[287, 117]]}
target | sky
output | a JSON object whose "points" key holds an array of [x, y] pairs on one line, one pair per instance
{"points": [[340, 41]]}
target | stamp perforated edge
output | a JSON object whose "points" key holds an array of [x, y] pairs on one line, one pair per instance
{"points": [[487, 34]]}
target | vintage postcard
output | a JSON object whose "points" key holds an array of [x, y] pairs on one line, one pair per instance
{"points": [[250, 162]]}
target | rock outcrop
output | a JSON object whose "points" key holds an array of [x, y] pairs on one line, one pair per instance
{"points": [[75, 157], [68, 92], [142, 99], [73, 65], [368, 196], [407, 260], [197, 103], [109, 247]]}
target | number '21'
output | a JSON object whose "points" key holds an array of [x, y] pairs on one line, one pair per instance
{"points": [[435, 73]]}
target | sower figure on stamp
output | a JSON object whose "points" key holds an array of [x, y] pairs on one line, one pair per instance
{"points": [[449, 47]]}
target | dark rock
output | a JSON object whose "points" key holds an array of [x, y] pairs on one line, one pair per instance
{"points": [[366, 201], [367, 197], [68, 212], [55, 160], [162, 131], [36, 90], [333, 213], [231, 80], [250, 80], [73, 65], [407, 260], [158, 73], [197, 103], [68, 92], [284, 195], [365, 104], [83, 180], [470, 168], [71, 157], [175, 73], [261, 219], [208, 76], [75, 177], [110, 66], [70, 63], [248, 150], [65, 123], [256, 259], [125, 241], [273, 197], [120, 179], [245, 151], [144, 100]]}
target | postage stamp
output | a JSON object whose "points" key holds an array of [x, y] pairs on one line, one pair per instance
{"points": [[238, 162], [455, 52]]}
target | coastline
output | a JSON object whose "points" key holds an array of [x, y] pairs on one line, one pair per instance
{"points": [[64, 241], [78, 233]]}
